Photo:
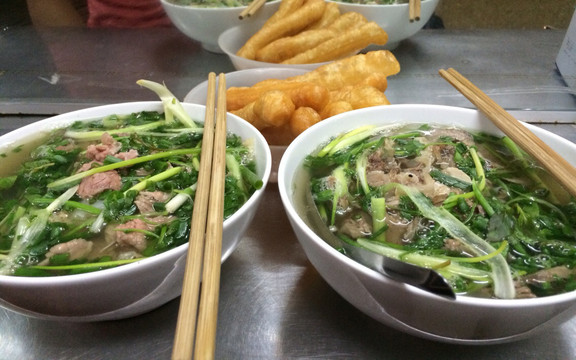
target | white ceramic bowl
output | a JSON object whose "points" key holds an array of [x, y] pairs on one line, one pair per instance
{"points": [[248, 78], [206, 24], [231, 40], [134, 288], [466, 320], [392, 18]]}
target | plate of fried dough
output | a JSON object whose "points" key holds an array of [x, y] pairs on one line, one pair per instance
{"points": [[282, 103], [301, 34]]}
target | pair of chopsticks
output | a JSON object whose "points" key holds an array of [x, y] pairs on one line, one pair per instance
{"points": [[414, 10], [556, 165], [196, 325], [251, 9]]}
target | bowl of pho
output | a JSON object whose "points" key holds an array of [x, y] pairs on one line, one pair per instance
{"points": [[410, 183], [96, 207]]}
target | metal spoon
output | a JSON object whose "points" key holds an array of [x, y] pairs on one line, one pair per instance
{"points": [[420, 277]]}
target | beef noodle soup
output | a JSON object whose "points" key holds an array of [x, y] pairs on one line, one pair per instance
{"points": [[472, 206], [107, 192]]}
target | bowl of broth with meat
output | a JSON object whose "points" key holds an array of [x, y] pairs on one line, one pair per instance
{"points": [[443, 189], [96, 207]]}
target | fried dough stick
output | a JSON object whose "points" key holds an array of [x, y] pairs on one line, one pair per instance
{"points": [[360, 96], [310, 95], [377, 80], [352, 98], [286, 7], [292, 23], [331, 13], [302, 118], [371, 68], [272, 109], [349, 71], [290, 46], [335, 108], [301, 94], [346, 43]]}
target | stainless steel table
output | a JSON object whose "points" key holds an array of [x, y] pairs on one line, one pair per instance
{"points": [[273, 304]]}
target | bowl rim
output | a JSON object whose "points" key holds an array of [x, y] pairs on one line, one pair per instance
{"points": [[66, 119], [322, 128], [401, 5], [198, 8]]}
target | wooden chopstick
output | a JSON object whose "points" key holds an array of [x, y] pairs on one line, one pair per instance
{"points": [[207, 317], [251, 9], [414, 10], [417, 9], [198, 309], [556, 165]]}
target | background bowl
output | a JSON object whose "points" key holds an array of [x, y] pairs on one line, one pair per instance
{"points": [[466, 320], [206, 24], [248, 78], [231, 40], [134, 288], [392, 18]]}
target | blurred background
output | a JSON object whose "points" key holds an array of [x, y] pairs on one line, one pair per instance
{"points": [[508, 14], [453, 14]]}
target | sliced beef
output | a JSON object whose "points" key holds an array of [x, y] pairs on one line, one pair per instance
{"points": [[127, 155], [546, 275], [95, 184], [122, 235], [399, 229], [76, 248], [146, 199], [376, 178], [355, 226], [107, 146], [87, 166]]}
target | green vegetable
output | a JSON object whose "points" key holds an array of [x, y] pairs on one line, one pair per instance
{"points": [[501, 276], [172, 107]]}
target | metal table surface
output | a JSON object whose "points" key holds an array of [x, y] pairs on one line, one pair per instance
{"points": [[273, 304]]}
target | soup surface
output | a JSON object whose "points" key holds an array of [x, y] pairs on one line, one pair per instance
{"points": [[108, 192], [473, 206]]}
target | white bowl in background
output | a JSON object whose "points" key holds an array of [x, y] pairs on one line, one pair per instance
{"points": [[134, 288], [394, 19], [466, 320], [205, 24]]}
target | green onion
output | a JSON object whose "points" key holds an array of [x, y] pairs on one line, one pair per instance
{"points": [[79, 176]]}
